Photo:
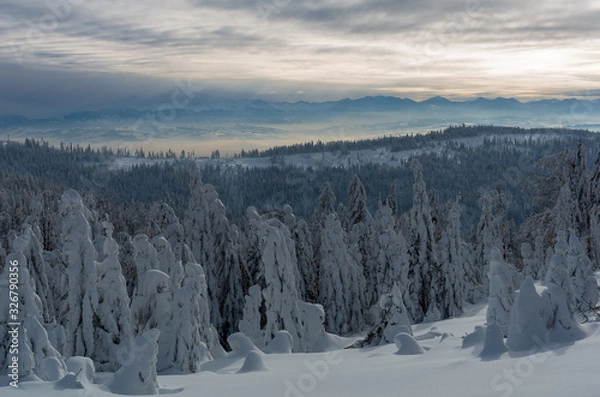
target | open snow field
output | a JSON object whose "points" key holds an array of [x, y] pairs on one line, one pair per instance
{"points": [[446, 369]]}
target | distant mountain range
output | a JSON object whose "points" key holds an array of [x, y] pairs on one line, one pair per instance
{"points": [[218, 110]]}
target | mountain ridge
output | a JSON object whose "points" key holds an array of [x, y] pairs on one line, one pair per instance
{"points": [[260, 109]]}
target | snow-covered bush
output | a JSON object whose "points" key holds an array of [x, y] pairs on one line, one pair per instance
{"points": [[394, 319]]}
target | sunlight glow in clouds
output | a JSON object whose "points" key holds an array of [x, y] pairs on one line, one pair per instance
{"points": [[301, 49]]}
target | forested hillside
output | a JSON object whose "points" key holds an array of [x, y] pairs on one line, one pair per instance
{"points": [[200, 253]]}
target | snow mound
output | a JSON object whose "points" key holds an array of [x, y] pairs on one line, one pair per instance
{"points": [[407, 345], [493, 345], [282, 343], [138, 376], [475, 338], [253, 363], [82, 366], [240, 344], [69, 381]]}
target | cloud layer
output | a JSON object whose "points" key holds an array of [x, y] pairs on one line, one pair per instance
{"points": [[129, 51]]}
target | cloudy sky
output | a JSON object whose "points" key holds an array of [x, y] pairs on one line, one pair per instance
{"points": [[62, 55]]}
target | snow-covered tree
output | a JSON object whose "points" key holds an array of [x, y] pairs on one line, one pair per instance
{"points": [[58, 289], [164, 253], [293, 240], [595, 181], [341, 281], [44, 360], [183, 253], [594, 240], [276, 279], [585, 288], [394, 319], [137, 376], [450, 300], [194, 272], [290, 243], [235, 281], [301, 234], [127, 257], [566, 186], [391, 200], [325, 207], [528, 324], [28, 304], [580, 187], [424, 268], [472, 292], [491, 232], [363, 238], [145, 256], [253, 317], [113, 325], [183, 343], [80, 258], [254, 239], [502, 291], [558, 270], [559, 296], [562, 213], [357, 211], [281, 291], [151, 302], [594, 214], [206, 229], [326, 203], [33, 251], [163, 221], [312, 328], [392, 260], [533, 258]]}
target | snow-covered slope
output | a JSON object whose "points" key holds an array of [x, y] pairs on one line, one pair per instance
{"points": [[446, 369]]}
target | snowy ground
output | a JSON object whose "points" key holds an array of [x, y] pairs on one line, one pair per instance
{"points": [[446, 369]]}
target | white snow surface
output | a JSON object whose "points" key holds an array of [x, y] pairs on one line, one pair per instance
{"points": [[446, 369]]}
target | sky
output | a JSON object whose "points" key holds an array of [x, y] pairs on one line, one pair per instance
{"points": [[58, 56]]}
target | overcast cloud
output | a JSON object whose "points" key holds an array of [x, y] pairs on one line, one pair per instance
{"points": [[65, 55]]}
